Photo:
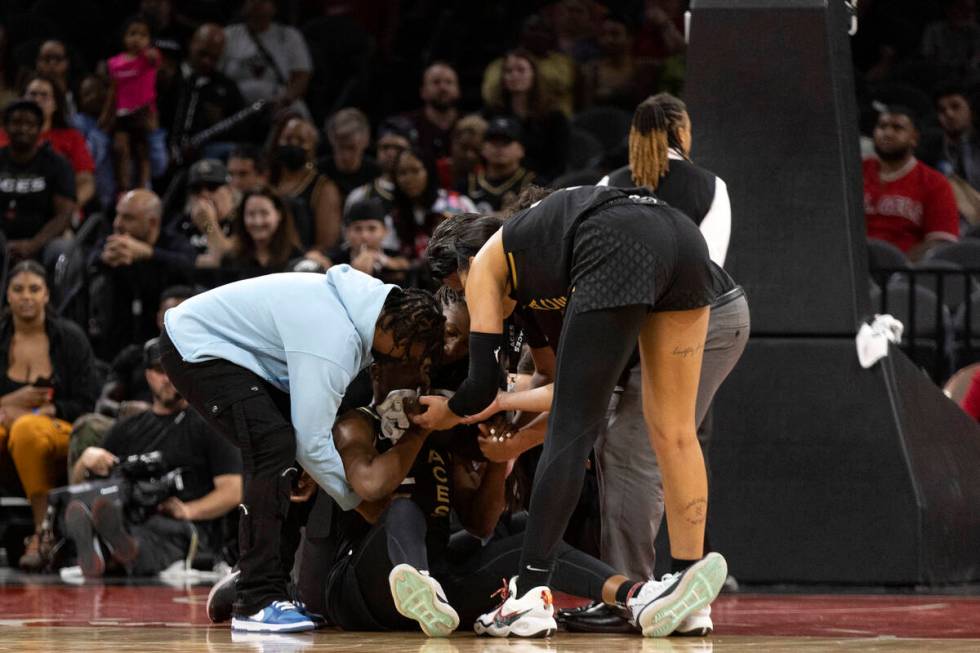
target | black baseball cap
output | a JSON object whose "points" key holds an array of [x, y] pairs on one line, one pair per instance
{"points": [[151, 353], [23, 105], [369, 209], [503, 129], [207, 171]]}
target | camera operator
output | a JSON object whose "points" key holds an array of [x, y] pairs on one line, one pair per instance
{"points": [[212, 485]]}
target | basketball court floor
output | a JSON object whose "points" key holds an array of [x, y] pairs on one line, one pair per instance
{"points": [[43, 614]]}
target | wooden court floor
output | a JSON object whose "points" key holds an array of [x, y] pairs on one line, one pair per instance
{"points": [[45, 615]]}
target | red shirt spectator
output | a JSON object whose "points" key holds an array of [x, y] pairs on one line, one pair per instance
{"points": [[971, 401], [69, 143], [909, 207]]}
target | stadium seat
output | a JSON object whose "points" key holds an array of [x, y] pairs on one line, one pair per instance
{"points": [[954, 285], [972, 232], [962, 353], [927, 341]]}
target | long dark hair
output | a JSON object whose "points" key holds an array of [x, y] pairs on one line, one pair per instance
{"points": [[28, 266], [59, 119], [284, 241], [404, 206], [500, 99]]}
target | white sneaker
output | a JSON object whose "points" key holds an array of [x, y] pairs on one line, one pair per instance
{"points": [[420, 597], [696, 624], [532, 615], [661, 606]]}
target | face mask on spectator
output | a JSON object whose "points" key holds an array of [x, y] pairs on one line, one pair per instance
{"points": [[292, 157]]}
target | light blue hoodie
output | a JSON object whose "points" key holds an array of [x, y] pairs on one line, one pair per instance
{"points": [[306, 334]]}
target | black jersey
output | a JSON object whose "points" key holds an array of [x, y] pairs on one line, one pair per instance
{"points": [[685, 186], [428, 483], [538, 241]]}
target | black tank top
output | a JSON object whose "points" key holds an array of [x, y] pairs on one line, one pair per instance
{"points": [[538, 241], [428, 483]]}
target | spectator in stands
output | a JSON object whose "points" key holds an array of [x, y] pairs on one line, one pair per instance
{"points": [[611, 79], [546, 130], [37, 187], [205, 95], [206, 221], [315, 200], [395, 135], [125, 390], [91, 99], [575, 23], [8, 70], [48, 381], [130, 269], [130, 112], [464, 152], [954, 42], [906, 202], [971, 401], [557, 70], [503, 178], [365, 230], [263, 235], [248, 168], [434, 121], [349, 133], [266, 59], [52, 61], [956, 152], [420, 204], [64, 139], [212, 485]]}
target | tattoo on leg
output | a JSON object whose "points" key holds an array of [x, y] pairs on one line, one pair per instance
{"points": [[694, 511], [686, 351]]}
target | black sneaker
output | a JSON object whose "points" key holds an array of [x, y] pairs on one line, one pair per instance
{"points": [[221, 598], [107, 516], [80, 529], [595, 618]]}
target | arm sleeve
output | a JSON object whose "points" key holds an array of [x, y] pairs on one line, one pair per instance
{"points": [[716, 227], [941, 219], [480, 386], [316, 388]]}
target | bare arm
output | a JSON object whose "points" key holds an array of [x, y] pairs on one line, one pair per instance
{"points": [[227, 494], [372, 475], [84, 187], [299, 81], [327, 214], [479, 503]]}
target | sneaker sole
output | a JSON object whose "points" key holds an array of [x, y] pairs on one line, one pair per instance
{"points": [[697, 631], [527, 628], [244, 625], [109, 525], [78, 524], [220, 616], [416, 599], [698, 587]]}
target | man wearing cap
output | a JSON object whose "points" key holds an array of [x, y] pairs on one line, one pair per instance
{"points": [[503, 178], [206, 220], [37, 186], [211, 473], [364, 233]]}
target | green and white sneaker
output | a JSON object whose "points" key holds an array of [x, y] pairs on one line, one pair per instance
{"points": [[660, 606], [420, 597]]}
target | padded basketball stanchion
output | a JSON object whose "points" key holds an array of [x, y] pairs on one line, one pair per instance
{"points": [[821, 471]]}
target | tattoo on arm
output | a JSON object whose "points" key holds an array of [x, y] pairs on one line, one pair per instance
{"points": [[687, 351], [695, 511]]}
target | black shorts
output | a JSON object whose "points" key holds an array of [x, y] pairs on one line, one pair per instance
{"points": [[625, 255]]}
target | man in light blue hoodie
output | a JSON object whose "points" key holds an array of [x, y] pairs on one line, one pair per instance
{"points": [[267, 361]]}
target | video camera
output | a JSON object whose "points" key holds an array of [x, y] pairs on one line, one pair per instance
{"points": [[140, 482]]}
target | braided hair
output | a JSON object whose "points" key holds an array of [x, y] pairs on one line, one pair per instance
{"points": [[654, 131], [414, 316]]}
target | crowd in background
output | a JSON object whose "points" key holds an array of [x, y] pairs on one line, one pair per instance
{"points": [[164, 144]]}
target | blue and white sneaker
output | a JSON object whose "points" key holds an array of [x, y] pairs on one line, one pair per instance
{"points": [[277, 617], [319, 621]]}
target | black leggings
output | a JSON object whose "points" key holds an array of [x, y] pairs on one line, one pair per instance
{"points": [[399, 537], [593, 351]]}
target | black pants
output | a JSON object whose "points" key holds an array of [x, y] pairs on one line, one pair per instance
{"points": [[593, 351], [255, 416], [359, 597]]}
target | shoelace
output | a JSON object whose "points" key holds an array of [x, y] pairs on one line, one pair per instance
{"points": [[503, 592], [284, 605]]}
